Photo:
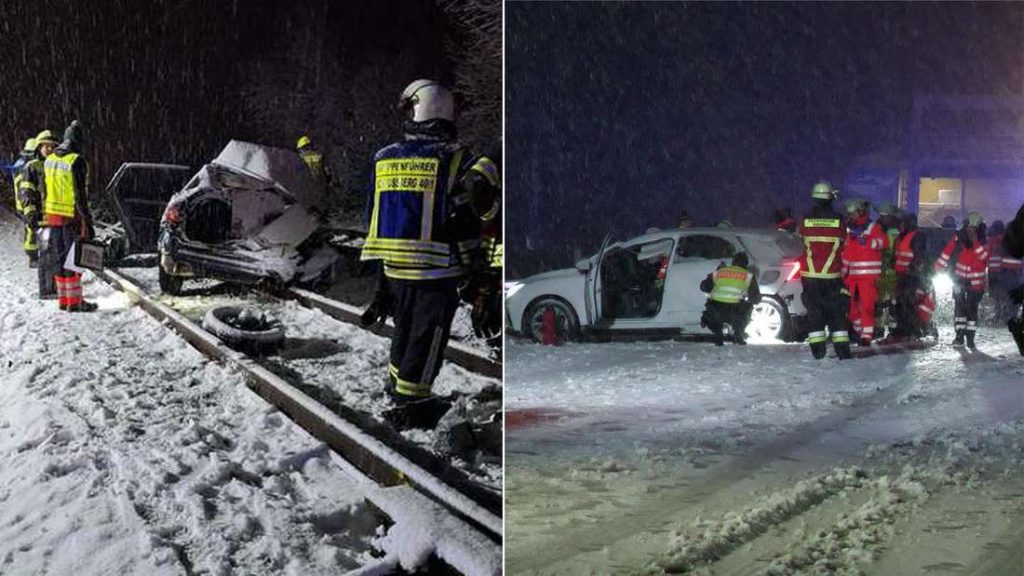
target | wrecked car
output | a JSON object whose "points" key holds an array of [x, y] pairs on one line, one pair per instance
{"points": [[250, 216]]}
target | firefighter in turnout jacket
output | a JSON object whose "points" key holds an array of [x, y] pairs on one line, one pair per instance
{"points": [[424, 231], [733, 293], [66, 216], [823, 294], [890, 220], [33, 187], [913, 303], [968, 251], [862, 267], [27, 201], [314, 161]]}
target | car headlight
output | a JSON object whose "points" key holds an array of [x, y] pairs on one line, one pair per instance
{"points": [[511, 288], [943, 284]]}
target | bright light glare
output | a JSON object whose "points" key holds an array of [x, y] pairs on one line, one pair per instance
{"points": [[511, 288], [943, 284], [114, 301], [765, 325]]}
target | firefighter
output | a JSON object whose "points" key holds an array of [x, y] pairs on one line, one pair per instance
{"points": [[1013, 249], [314, 161], [1003, 272], [424, 231], [26, 201], [733, 291], [968, 249], [35, 173], [862, 265], [66, 216], [483, 290], [911, 290], [824, 295]]}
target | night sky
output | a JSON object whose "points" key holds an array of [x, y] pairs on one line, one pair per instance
{"points": [[619, 116]]}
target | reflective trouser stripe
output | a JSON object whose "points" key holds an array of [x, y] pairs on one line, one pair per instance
{"points": [[972, 326], [840, 336], [816, 337], [959, 322]]}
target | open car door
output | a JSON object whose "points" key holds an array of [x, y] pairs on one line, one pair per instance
{"points": [[140, 192], [592, 287]]}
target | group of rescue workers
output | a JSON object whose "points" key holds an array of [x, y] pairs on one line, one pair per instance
{"points": [[434, 224], [853, 269], [52, 200]]}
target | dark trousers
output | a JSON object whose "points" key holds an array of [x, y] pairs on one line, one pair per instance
{"points": [[905, 306], [52, 253], [717, 314], [965, 309], [422, 312], [827, 306]]}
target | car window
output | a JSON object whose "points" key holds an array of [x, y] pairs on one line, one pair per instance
{"points": [[703, 247]]}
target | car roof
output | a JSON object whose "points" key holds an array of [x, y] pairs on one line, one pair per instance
{"points": [[712, 230]]}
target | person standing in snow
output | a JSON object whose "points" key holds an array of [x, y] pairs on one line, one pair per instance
{"points": [[889, 219], [968, 250], [66, 216], [733, 291], [911, 292], [823, 293], [314, 161], [862, 266], [423, 228], [26, 201], [33, 188], [1003, 272]]}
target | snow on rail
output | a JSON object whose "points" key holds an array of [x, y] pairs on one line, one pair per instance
{"points": [[378, 461]]}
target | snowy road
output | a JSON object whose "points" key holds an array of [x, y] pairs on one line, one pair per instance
{"points": [[659, 457], [125, 451]]}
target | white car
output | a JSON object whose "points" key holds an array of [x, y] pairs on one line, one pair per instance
{"points": [[652, 283]]}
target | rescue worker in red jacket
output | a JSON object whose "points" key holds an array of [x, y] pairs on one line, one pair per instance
{"points": [[733, 293], [968, 249], [911, 273], [824, 296], [862, 265]]}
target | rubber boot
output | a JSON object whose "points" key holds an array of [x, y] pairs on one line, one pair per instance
{"points": [[970, 339], [1016, 327], [959, 340], [83, 306], [818, 350], [842, 350]]}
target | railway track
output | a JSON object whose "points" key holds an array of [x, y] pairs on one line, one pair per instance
{"points": [[398, 474]]}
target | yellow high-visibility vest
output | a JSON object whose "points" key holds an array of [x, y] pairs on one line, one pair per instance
{"points": [[731, 284], [60, 185]]}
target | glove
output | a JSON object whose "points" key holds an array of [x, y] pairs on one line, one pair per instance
{"points": [[377, 312]]}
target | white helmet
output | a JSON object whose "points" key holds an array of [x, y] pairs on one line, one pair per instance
{"points": [[427, 100]]}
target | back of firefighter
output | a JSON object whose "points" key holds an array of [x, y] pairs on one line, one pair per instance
{"points": [[733, 291], [820, 274], [968, 251], [423, 229], [862, 265], [913, 302], [66, 216], [1003, 272], [27, 201]]}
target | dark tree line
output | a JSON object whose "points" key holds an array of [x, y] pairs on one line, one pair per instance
{"points": [[175, 80]]}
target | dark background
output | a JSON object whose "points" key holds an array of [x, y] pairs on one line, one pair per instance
{"points": [[620, 116], [175, 80]]}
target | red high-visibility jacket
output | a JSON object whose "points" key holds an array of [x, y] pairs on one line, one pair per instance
{"points": [[905, 251], [864, 261], [823, 238], [971, 265]]}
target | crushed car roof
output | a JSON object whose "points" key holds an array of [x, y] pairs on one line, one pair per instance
{"points": [[278, 167]]}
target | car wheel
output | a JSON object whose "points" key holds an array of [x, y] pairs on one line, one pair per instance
{"points": [[169, 284], [567, 324], [245, 329], [769, 320]]}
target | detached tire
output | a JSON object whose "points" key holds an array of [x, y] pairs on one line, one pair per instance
{"points": [[566, 322], [260, 338], [169, 284]]}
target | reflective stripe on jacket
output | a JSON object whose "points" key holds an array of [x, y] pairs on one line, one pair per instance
{"points": [[864, 260], [822, 240], [905, 251], [971, 265], [731, 284], [60, 185]]}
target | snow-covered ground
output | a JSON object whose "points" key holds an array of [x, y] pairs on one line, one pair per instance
{"points": [[666, 457], [125, 451]]}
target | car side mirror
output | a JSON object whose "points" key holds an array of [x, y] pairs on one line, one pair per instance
{"points": [[583, 265]]}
